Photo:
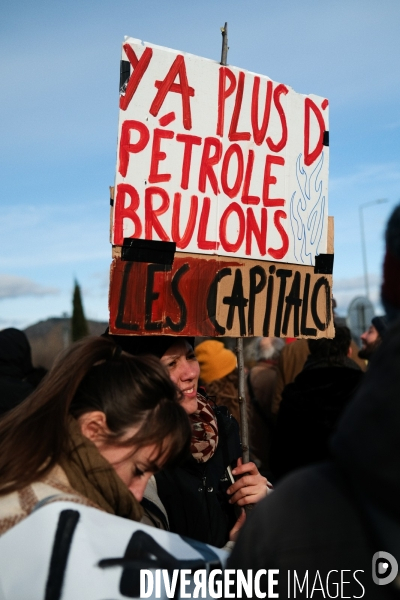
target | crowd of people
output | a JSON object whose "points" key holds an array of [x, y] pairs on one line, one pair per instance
{"points": [[146, 428]]}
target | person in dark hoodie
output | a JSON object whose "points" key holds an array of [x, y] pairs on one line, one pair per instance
{"points": [[18, 377], [313, 403]]}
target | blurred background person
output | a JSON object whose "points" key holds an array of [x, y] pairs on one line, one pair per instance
{"points": [[18, 377], [261, 382], [313, 403], [293, 357], [219, 374], [372, 337], [290, 362]]}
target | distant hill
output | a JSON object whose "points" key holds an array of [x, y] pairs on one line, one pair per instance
{"points": [[48, 338]]}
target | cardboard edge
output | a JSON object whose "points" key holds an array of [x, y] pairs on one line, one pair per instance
{"points": [[116, 252], [111, 211], [330, 245]]}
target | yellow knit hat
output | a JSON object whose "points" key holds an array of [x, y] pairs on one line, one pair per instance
{"points": [[215, 360]]}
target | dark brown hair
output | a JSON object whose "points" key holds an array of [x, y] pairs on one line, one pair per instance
{"points": [[332, 350], [92, 374]]}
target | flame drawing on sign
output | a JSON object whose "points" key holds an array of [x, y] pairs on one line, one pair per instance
{"points": [[307, 210]]}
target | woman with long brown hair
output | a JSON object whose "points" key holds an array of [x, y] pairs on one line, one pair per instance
{"points": [[94, 431]]}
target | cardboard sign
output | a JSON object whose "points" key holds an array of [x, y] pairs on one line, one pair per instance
{"points": [[222, 176], [103, 560], [220, 297], [219, 160]]}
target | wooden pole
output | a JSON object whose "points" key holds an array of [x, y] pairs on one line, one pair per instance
{"points": [[244, 425], [224, 51]]}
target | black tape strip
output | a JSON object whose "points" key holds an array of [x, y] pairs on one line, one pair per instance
{"points": [[66, 526], [111, 202], [124, 74], [326, 138], [324, 264], [149, 251]]}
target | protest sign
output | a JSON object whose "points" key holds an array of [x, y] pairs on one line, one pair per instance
{"points": [[219, 297], [215, 163]]}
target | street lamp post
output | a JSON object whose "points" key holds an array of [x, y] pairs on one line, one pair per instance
{"points": [[363, 247]]}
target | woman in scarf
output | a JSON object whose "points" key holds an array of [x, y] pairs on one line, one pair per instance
{"points": [[94, 431], [199, 498]]}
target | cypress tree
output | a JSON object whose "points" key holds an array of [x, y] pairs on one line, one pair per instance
{"points": [[79, 326]]}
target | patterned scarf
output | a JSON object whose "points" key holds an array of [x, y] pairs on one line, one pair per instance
{"points": [[204, 431]]}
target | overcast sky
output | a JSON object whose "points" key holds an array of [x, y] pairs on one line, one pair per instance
{"points": [[59, 75]]}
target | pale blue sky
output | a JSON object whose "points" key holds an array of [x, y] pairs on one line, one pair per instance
{"points": [[59, 72]]}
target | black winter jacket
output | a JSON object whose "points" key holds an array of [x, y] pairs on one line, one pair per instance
{"points": [[194, 494], [309, 412]]}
